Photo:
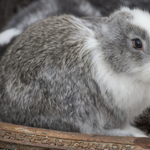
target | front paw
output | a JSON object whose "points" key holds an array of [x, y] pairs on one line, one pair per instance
{"points": [[135, 132]]}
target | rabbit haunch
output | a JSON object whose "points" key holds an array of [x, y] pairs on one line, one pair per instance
{"points": [[78, 74]]}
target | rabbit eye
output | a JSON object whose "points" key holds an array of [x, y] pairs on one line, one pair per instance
{"points": [[137, 43]]}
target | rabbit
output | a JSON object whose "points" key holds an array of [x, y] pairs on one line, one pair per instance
{"points": [[89, 75], [42, 9]]}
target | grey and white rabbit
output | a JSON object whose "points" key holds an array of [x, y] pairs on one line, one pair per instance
{"points": [[42, 9], [89, 75]]}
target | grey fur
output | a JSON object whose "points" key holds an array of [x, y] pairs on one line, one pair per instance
{"points": [[45, 80]]}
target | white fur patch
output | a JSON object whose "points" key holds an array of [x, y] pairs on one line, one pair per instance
{"points": [[8, 35], [140, 18]]}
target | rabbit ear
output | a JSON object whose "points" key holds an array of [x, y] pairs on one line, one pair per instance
{"points": [[120, 17], [123, 13]]}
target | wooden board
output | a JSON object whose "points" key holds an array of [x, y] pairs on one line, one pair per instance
{"points": [[18, 137]]}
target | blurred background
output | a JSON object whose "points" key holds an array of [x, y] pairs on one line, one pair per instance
{"points": [[9, 8]]}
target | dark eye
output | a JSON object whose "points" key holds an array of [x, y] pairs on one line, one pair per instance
{"points": [[137, 43]]}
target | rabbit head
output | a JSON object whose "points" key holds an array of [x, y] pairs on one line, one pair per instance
{"points": [[126, 43]]}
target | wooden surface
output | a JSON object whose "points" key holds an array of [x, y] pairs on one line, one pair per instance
{"points": [[27, 138]]}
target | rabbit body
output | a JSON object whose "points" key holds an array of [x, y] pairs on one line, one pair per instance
{"points": [[78, 74]]}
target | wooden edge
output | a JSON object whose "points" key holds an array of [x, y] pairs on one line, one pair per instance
{"points": [[26, 138]]}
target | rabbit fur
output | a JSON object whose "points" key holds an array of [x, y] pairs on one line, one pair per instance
{"points": [[79, 74]]}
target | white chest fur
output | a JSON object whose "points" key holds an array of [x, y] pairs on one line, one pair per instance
{"points": [[129, 95]]}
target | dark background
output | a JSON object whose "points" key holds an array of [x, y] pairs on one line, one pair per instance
{"points": [[9, 8]]}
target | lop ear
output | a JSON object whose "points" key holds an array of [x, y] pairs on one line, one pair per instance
{"points": [[120, 17]]}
